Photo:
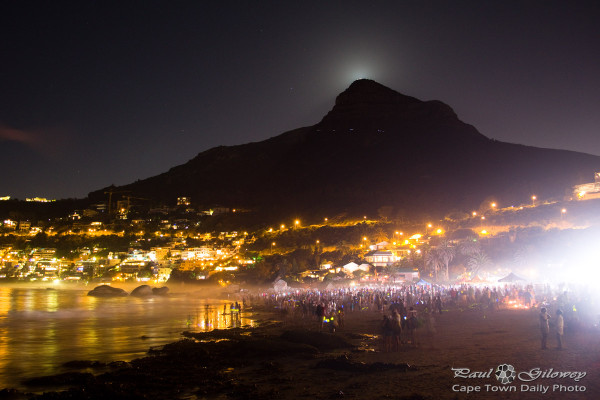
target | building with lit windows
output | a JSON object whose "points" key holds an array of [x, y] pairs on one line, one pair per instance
{"points": [[588, 191]]}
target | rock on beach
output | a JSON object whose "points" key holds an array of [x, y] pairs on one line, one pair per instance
{"points": [[107, 291]]}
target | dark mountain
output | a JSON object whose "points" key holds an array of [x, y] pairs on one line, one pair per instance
{"points": [[375, 148]]}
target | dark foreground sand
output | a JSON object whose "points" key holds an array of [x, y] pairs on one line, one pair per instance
{"points": [[288, 358]]}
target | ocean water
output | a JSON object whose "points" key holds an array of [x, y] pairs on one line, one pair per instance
{"points": [[42, 328]]}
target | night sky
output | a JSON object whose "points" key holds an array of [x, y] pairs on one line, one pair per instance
{"points": [[95, 93]]}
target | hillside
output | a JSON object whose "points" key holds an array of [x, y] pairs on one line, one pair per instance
{"points": [[375, 148]]}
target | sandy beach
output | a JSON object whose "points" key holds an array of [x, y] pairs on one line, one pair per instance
{"points": [[288, 357]]}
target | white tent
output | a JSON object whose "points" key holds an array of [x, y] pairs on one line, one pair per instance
{"points": [[280, 285], [365, 267], [350, 267]]}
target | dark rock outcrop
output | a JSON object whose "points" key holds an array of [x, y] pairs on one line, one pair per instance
{"points": [[161, 291], [142, 291], [107, 291]]}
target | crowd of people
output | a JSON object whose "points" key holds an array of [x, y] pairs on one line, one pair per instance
{"points": [[411, 308]]}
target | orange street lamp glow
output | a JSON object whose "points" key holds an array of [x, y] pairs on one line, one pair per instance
{"points": [[282, 226], [474, 213], [493, 205]]}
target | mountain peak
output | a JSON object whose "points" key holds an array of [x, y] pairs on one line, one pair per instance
{"points": [[367, 91], [371, 106]]}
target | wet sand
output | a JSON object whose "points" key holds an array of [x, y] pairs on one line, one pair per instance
{"points": [[288, 358]]}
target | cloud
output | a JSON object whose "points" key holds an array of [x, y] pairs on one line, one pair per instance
{"points": [[48, 142], [18, 135]]}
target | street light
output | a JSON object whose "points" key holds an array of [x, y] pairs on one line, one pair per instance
{"points": [[474, 213], [282, 226], [563, 212], [272, 244], [297, 222], [533, 199]]}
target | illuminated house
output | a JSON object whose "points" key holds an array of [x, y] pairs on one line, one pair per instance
{"points": [[39, 254], [381, 258], [24, 226], [184, 201], [588, 191]]}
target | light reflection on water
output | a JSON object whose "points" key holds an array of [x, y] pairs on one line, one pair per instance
{"points": [[40, 329]]}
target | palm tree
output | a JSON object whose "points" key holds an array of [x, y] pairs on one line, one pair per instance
{"points": [[478, 261], [468, 247], [433, 262], [445, 252], [381, 236]]}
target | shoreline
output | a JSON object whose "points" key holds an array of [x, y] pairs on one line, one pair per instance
{"points": [[287, 357]]}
